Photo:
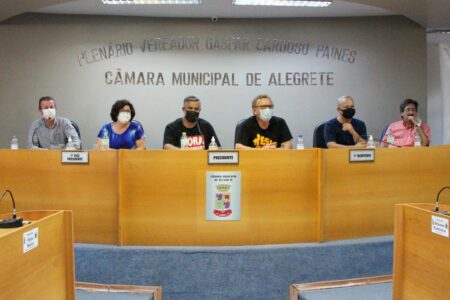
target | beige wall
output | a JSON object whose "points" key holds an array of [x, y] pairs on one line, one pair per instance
{"points": [[39, 56], [435, 101]]}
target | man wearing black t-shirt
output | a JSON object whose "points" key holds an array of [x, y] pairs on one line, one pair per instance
{"points": [[198, 131], [345, 131], [262, 130]]}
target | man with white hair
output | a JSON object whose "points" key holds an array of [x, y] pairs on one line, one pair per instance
{"points": [[344, 131]]}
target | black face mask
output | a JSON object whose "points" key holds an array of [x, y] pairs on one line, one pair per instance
{"points": [[348, 113], [192, 115]]}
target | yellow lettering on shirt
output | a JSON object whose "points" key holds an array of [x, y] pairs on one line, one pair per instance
{"points": [[261, 141]]}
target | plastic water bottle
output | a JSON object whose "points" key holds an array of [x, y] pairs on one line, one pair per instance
{"points": [[70, 145], [105, 140], [371, 142], [213, 144], [14, 143], [417, 142], [300, 143], [184, 141], [390, 138]]}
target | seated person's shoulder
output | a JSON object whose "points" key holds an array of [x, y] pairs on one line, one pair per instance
{"points": [[203, 122], [278, 119], [247, 122], [137, 124], [63, 123], [64, 120], [395, 124], [332, 122], [174, 124], [358, 121], [36, 123]]}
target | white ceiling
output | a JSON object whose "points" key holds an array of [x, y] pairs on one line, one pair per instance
{"points": [[431, 14]]}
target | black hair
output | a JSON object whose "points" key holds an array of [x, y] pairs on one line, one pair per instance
{"points": [[115, 109], [45, 98], [407, 102]]}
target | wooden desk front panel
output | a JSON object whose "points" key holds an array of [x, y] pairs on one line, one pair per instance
{"points": [[45, 272], [422, 258], [39, 181], [163, 199], [358, 198]]}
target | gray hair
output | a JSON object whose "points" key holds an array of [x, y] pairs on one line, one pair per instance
{"points": [[263, 96], [342, 98]]}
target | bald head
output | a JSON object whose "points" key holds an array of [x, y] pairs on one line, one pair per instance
{"points": [[343, 99]]}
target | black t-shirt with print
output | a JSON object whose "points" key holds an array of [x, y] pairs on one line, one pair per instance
{"points": [[251, 135], [199, 136]]}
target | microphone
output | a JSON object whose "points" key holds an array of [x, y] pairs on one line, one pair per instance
{"points": [[14, 222], [436, 209], [32, 138]]}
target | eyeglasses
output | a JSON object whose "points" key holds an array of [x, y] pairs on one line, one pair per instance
{"points": [[413, 109], [265, 106]]}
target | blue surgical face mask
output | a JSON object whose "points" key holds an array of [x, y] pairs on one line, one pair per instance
{"points": [[265, 114]]}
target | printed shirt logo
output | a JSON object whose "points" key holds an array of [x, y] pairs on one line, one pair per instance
{"points": [[222, 203], [261, 141], [196, 142]]}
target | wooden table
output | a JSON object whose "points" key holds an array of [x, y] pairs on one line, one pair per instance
{"points": [[157, 197]]}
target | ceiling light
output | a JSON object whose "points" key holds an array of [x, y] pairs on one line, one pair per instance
{"points": [[311, 3], [152, 1], [443, 31]]}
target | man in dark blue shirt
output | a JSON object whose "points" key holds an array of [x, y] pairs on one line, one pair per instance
{"points": [[345, 131]]}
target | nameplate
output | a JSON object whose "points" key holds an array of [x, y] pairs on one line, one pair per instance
{"points": [[362, 155], [439, 226], [74, 157], [30, 240], [223, 157]]}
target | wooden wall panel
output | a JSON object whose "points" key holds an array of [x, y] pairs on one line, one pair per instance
{"points": [[39, 181], [149, 197], [358, 198], [422, 258], [45, 272], [163, 199]]}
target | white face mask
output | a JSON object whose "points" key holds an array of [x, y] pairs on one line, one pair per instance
{"points": [[124, 117], [265, 114], [49, 113]]}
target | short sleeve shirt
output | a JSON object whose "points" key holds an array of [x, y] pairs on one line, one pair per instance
{"points": [[199, 136], [333, 132], [125, 140], [251, 135], [403, 135]]}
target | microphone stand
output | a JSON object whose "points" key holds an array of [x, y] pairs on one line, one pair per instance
{"points": [[14, 222], [437, 202]]}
